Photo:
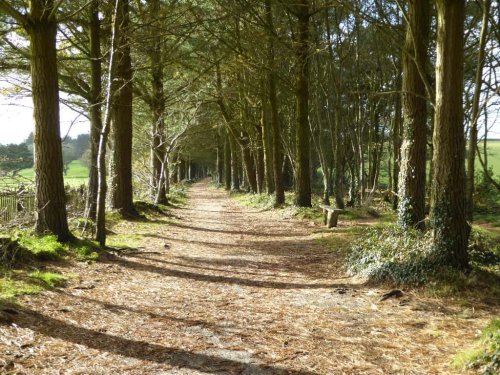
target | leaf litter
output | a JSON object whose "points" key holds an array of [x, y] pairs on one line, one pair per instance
{"points": [[229, 290]]}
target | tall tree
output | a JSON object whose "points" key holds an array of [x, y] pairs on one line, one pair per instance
{"points": [[41, 26], [227, 160], [111, 87], [302, 168], [448, 217], [121, 192], [277, 156], [471, 157], [411, 191], [158, 152], [95, 104]]}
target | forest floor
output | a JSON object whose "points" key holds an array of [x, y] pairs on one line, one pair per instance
{"points": [[218, 288]]}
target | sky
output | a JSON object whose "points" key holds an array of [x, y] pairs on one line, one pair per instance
{"points": [[16, 120]]}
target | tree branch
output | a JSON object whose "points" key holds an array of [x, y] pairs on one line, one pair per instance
{"points": [[8, 9]]}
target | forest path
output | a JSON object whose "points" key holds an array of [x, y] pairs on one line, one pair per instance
{"points": [[223, 289]]}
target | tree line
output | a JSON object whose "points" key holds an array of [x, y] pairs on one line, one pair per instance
{"points": [[269, 94]]}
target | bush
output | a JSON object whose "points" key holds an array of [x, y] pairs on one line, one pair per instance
{"points": [[486, 196], [389, 254], [407, 257]]}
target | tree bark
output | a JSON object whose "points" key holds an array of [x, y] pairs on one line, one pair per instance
{"points": [[158, 145], [95, 107], [49, 183], [227, 161], [471, 157], [103, 139], [302, 131], [411, 182], [266, 144], [121, 192], [259, 152], [235, 164], [450, 228], [396, 140], [277, 153]]}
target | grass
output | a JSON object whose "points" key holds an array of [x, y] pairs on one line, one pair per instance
{"points": [[47, 279], [18, 277], [178, 195], [77, 175], [493, 157], [47, 248], [10, 288], [42, 247], [493, 148], [19, 282], [485, 354]]}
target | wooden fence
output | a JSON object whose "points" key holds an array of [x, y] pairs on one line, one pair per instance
{"points": [[12, 203]]}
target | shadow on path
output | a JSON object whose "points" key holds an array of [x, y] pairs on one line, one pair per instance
{"points": [[164, 271], [142, 350]]}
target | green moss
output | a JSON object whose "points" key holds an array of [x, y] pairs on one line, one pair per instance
{"points": [[9, 288], [47, 279], [43, 247], [124, 240], [85, 249]]}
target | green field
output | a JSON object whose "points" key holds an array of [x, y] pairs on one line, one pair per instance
{"points": [[493, 162], [77, 175], [493, 157]]}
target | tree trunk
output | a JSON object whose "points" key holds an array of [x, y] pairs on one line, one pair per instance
{"points": [[235, 164], [450, 228], [411, 184], [248, 162], [339, 159], [121, 193], [260, 159], [396, 140], [277, 153], [220, 161], [49, 183], [471, 158], [266, 144], [94, 107], [302, 131], [227, 161], [158, 146], [103, 140]]}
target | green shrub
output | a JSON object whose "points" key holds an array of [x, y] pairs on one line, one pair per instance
{"points": [[486, 196], [483, 249]]}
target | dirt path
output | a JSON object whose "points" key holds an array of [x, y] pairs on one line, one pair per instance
{"points": [[223, 289]]}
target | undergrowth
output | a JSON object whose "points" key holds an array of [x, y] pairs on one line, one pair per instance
{"points": [[484, 356], [23, 254], [389, 254], [47, 279]]}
